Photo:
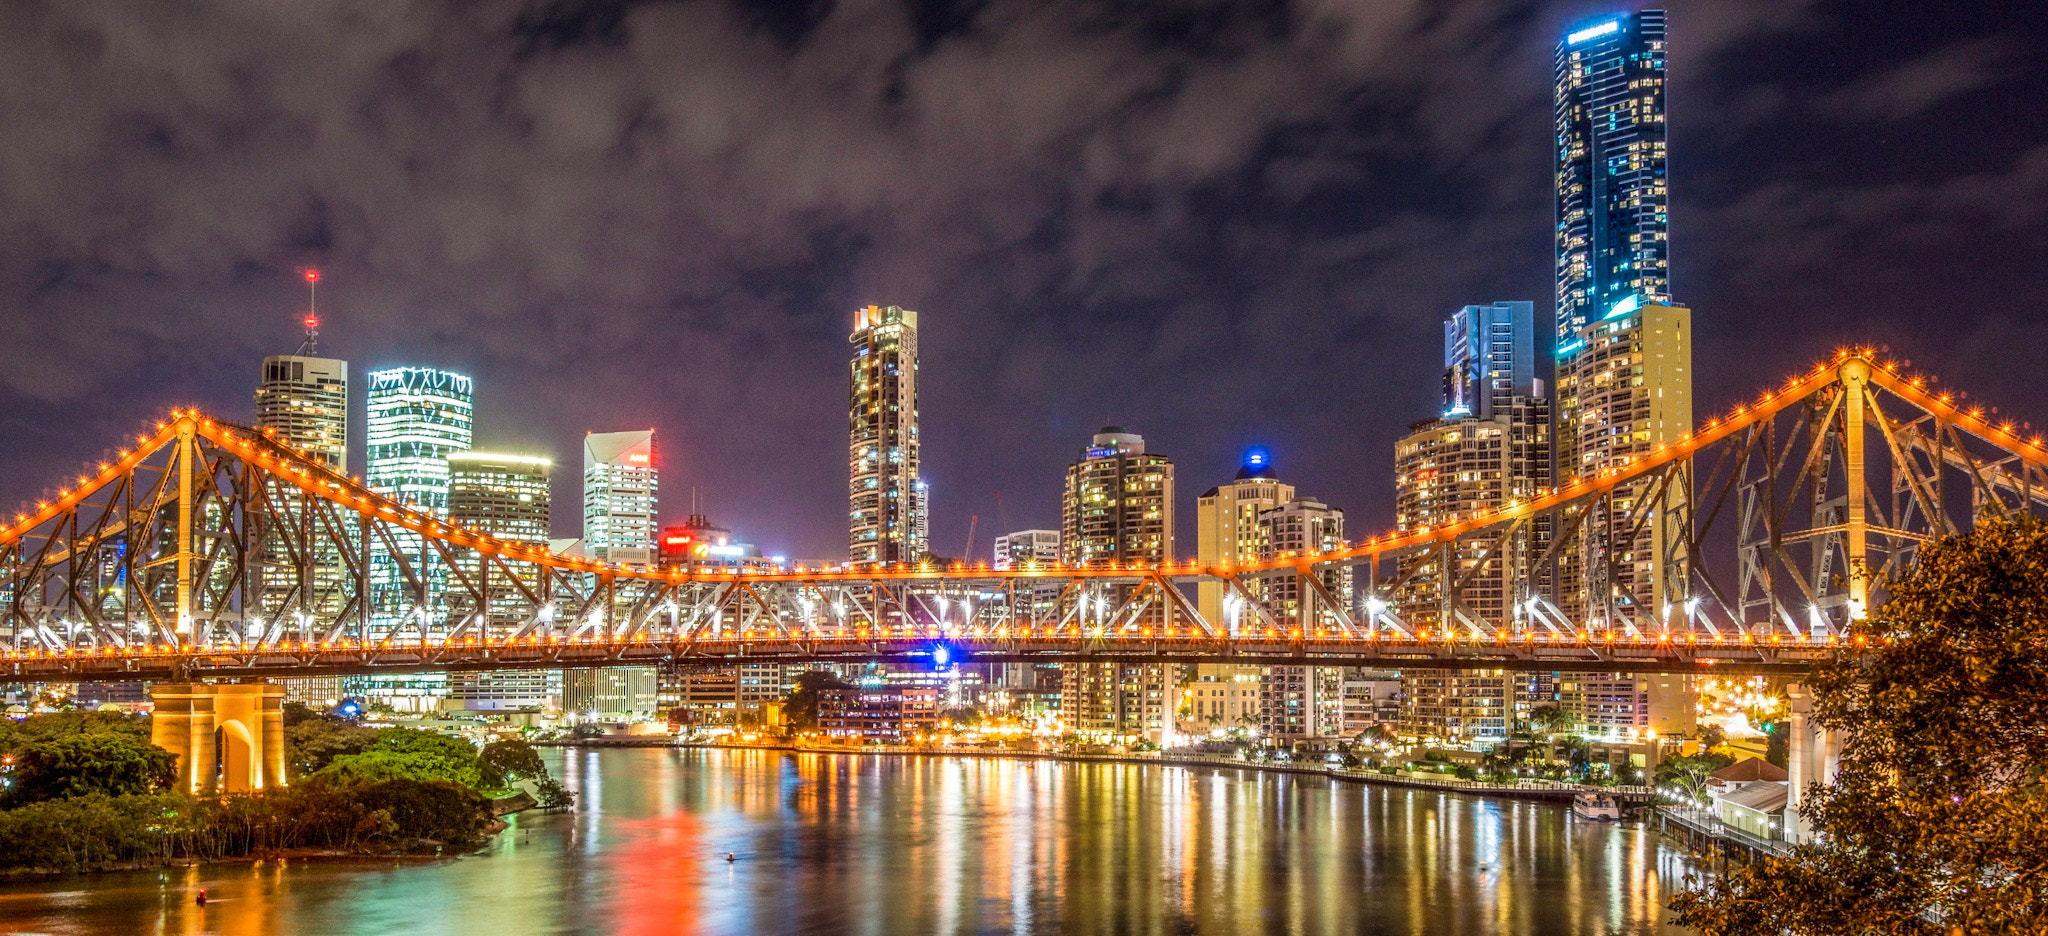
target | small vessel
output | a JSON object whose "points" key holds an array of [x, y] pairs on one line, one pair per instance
{"points": [[1599, 807]]}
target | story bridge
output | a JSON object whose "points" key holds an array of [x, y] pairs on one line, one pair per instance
{"points": [[204, 550]]}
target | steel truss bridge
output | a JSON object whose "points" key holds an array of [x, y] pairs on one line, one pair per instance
{"points": [[209, 550]]}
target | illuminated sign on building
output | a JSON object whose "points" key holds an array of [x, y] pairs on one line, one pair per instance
{"points": [[1608, 28]]}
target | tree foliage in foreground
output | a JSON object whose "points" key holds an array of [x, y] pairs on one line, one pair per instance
{"points": [[106, 762], [1938, 819]]}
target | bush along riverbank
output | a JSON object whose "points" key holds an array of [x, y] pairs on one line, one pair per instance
{"points": [[85, 792]]}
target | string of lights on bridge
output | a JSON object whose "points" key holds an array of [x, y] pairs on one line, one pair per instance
{"points": [[323, 482]]}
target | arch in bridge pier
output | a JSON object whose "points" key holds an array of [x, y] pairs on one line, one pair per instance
{"points": [[229, 738]]}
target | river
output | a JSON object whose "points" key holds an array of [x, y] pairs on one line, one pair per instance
{"points": [[896, 844]]}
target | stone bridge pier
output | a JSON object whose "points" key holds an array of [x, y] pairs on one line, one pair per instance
{"points": [[229, 737]]}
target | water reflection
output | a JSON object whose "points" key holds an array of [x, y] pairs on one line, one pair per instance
{"points": [[867, 845]]}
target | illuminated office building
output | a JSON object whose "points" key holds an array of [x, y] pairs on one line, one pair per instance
{"points": [[302, 401], [621, 496]]}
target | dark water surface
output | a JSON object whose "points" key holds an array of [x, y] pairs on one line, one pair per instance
{"points": [[874, 845]]}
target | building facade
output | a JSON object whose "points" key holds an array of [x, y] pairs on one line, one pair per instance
{"points": [[1491, 444], [1118, 508], [1026, 549], [505, 495], [1228, 532], [1119, 503], [886, 519], [621, 496], [889, 714], [502, 494], [303, 401], [1633, 380], [1613, 211], [1613, 226], [1304, 702], [414, 418], [1017, 550]]}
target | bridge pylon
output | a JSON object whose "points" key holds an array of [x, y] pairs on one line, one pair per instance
{"points": [[229, 737]]}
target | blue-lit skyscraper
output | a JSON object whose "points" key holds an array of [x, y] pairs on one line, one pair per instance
{"points": [[1613, 220]]}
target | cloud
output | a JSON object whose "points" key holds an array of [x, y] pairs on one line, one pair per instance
{"points": [[1216, 223], [1918, 84]]}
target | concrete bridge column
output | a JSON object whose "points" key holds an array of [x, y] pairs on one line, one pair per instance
{"points": [[229, 738], [1812, 756]]}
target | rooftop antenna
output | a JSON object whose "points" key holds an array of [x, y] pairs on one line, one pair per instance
{"points": [[311, 346]]}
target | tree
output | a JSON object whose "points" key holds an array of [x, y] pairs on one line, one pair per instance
{"points": [[410, 754], [1937, 820], [1376, 736], [313, 743], [80, 764], [1689, 774], [800, 708], [514, 760], [1551, 719]]}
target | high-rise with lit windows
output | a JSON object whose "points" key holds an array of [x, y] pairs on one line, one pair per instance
{"points": [[303, 401], [621, 496], [1490, 444], [1227, 532], [1118, 508], [1613, 212], [886, 519], [505, 495], [414, 418], [1613, 227]]}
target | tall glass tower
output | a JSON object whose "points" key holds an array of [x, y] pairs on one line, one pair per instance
{"points": [[1613, 237], [885, 499]]}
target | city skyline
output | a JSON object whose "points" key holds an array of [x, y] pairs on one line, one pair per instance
{"points": [[737, 426]]}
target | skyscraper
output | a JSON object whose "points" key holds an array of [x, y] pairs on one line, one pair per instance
{"points": [[304, 401], [621, 496], [506, 496], [1491, 444], [415, 417], [1634, 380], [1613, 221], [1228, 532], [1303, 701], [1119, 502], [1613, 226], [886, 519], [1118, 507], [500, 494]]}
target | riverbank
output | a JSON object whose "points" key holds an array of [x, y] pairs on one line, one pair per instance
{"points": [[1525, 790]]}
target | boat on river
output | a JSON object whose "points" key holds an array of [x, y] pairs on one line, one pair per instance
{"points": [[1599, 807]]}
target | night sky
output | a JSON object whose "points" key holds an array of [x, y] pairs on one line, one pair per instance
{"points": [[1214, 224]]}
